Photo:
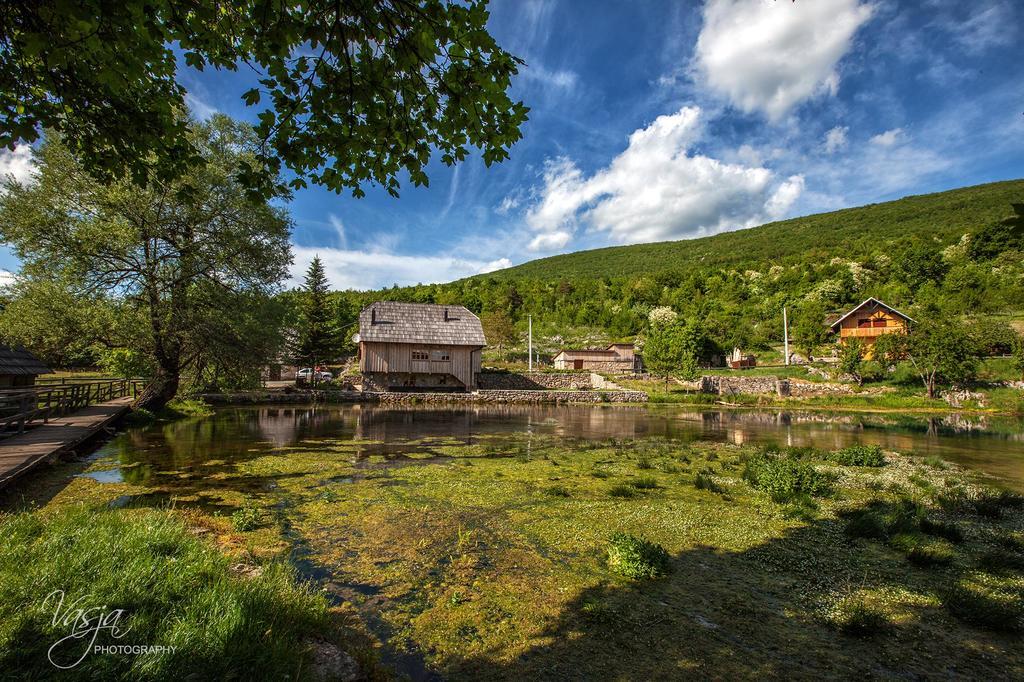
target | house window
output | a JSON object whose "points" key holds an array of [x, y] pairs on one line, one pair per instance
{"points": [[440, 356], [420, 355], [863, 323], [878, 322]]}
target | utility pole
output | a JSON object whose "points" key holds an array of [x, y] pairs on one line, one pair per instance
{"points": [[529, 350], [785, 333]]}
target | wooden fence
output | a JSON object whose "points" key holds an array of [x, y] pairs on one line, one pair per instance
{"points": [[20, 407]]}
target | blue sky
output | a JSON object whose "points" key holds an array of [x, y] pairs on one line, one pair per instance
{"points": [[668, 120]]}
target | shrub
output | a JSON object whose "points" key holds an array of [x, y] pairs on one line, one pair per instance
{"points": [[1010, 541], [942, 529], [880, 521], [705, 480], [984, 607], [991, 503], [645, 483], [620, 490], [859, 456], [784, 479], [802, 507], [803, 452], [855, 617], [247, 517], [635, 557], [644, 463], [865, 523], [999, 560]]}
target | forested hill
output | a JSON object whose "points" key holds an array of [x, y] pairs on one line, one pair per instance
{"points": [[849, 233], [961, 250]]}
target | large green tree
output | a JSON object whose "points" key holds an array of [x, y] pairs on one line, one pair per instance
{"points": [[318, 334], [673, 349], [347, 92], [809, 330], [942, 351], [183, 263]]}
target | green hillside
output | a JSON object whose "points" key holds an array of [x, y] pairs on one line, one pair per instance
{"points": [[846, 233], [961, 250]]}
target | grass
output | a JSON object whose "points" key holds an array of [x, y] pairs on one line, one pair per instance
{"points": [[645, 483], [984, 607], [856, 617], [705, 480], [174, 590]]}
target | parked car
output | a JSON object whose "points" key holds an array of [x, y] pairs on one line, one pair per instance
{"points": [[307, 374]]}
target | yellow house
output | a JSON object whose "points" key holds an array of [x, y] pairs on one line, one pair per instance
{"points": [[868, 321]]}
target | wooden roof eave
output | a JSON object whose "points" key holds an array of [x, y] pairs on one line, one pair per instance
{"points": [[864, 303]]}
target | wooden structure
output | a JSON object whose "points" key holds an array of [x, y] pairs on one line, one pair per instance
{"points": [[617, 357], [869, 320], [24, 407], [418, 346], [46, 442], [737, 360], [19, 368]]}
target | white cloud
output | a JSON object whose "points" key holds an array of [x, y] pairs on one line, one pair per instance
{"points": [[657, 190], [508, 204], [835, 139], [991, 26], [351, 269], [769, 56], [17, 163], [561, 79], [888, 138], [497, 264], [339, 229], [199, 108], [549, 241], [7, 278]]}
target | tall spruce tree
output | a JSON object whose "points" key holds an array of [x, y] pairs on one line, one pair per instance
{"points": [[318, 335]]}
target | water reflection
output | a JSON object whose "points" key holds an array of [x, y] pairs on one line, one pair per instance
{"points": [[201, 447]]}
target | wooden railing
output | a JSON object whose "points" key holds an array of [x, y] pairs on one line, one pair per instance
{"points": [[20, 407]]}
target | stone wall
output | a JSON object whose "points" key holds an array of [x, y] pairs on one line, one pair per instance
{"points": [[534, 381], [767, 385], [725, 385], [511, 396], [399, 398]]}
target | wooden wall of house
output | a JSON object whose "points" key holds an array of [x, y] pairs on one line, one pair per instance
{"points": [[397, 357], [852, 327]]}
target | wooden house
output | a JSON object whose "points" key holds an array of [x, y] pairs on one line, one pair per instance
{"points": [[618, 357], [19, 368], [417, 346], [869, 320]]}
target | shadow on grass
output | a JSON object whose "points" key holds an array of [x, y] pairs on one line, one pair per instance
{"points": [[766, 612]]}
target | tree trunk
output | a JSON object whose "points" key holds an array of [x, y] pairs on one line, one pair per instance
{"points": [[930, 385], [159, 392]]}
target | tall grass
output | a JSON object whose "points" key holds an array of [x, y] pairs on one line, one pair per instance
{"points": [[175, 591]]}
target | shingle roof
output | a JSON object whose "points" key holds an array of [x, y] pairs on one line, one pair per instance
{"points": [[394, 322], [17, 360]]}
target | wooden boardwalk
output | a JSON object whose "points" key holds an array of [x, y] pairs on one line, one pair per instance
{"points": [[46, 442]]}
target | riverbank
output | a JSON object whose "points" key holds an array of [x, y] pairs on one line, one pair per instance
{"points": [[494, 558], [995, 400]]}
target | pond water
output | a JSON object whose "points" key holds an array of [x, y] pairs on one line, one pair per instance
{"points": [[475, 528], [992, 445]]}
